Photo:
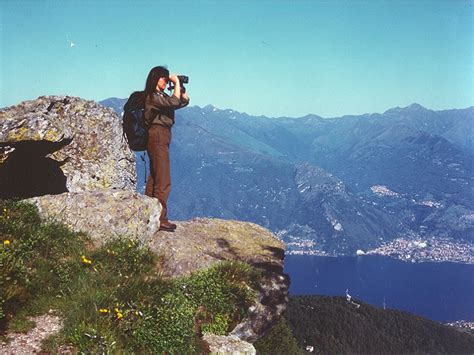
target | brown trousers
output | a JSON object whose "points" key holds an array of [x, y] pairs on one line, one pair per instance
{"points": [[158, 184]]}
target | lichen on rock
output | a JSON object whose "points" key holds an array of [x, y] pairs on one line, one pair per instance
{"points": [[103, 214], [96, 156]]}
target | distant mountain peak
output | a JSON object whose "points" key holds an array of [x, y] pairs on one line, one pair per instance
{"points": [[210, 108], [311, 117], [414, 107]]}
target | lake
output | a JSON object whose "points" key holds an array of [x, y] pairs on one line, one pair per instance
{"points": [[440, 291]]}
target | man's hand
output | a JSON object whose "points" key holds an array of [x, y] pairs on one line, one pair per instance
{"points": [[174, 79], [184, 96], [177, 86]]}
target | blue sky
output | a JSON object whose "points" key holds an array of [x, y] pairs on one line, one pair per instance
{"points": [[273, 58]]}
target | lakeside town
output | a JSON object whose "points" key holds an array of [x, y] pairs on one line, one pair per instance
{"points": [[427, 250], [462, 324], [409, 250]]}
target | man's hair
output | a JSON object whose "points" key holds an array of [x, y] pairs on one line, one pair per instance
{"points": [[152, 79]]}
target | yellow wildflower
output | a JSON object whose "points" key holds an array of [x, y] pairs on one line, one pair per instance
{"points": [[118, 313], [103, 310], [6, 242], [85, 260]]}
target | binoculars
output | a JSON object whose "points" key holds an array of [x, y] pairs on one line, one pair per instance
{"points": [[183, 79]]}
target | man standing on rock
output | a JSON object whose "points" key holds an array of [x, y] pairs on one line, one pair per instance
{"points": [[159, 116]]}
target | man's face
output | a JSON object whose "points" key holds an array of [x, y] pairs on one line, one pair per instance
{"points": [[161, 85]]}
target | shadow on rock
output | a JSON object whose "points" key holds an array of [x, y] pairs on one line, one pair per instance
{"points": [[278, 253], [225, 251], [27, 172]]}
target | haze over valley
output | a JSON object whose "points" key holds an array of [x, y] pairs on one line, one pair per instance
{"points": [[331, 186]]}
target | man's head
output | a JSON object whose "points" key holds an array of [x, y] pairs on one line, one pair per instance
{"points": [[157, 79], [162, 81]]}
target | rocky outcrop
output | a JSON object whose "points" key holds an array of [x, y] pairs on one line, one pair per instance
{"points": [[103, 214], [67, 156], [56, 144], [195, 244], [202, 242]]}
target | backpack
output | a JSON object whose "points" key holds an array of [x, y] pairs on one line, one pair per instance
{"points": [[134, 128]]}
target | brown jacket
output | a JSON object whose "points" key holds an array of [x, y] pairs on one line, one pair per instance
{"points": [[160, 107]]}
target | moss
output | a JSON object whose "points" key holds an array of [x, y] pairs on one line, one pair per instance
{"points": [[21, 325]]}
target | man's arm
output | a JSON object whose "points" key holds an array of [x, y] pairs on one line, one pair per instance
{"points": [[159, 101], [177, 86], [184, 100]]}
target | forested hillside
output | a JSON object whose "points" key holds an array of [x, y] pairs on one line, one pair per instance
{"points": [[332, 325]]}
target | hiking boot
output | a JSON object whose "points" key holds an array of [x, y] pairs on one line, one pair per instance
{"points": [[167, 226]]}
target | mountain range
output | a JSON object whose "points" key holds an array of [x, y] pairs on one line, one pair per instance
{"points": [[326, 185]]}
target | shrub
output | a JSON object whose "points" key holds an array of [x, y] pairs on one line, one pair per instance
{"points": [[279, 340]]}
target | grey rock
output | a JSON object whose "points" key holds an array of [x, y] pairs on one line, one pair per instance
{"points": [[103, 214], [230, 344], [202, 242], [268, 308], [46, 325], [56, 135]]}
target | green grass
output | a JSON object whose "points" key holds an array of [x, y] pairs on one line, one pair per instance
{"points": [[111, 298]]}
